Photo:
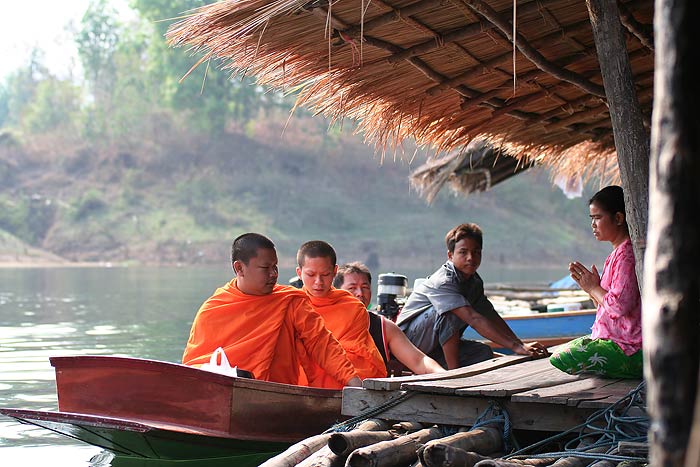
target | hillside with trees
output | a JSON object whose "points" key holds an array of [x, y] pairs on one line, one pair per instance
{"points": [[125, 164]]}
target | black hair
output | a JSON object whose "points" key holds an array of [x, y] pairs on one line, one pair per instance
{"points": [[611, 199], [350, 268], [246, 246], [316, 249], [468, 230]]}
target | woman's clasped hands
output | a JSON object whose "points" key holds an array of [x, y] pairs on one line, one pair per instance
{"points": [[585, 278]]}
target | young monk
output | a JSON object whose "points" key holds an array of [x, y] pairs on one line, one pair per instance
{"points": [[344, 315], [264, 327], [441, 307], [389, 339]]}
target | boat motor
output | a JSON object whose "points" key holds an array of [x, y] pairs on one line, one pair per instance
{"points": [[391, 289]]}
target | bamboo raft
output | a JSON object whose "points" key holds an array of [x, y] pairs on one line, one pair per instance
{"points": [[442, 419]]}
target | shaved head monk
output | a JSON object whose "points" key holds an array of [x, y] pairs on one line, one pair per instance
{"points": [[264, 327], [344, 315]]}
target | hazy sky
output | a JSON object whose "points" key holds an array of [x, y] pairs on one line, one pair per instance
{"points": [[42, 23]]}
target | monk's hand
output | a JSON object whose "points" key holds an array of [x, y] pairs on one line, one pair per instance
{"points": [[355, 381], [587, 280]]}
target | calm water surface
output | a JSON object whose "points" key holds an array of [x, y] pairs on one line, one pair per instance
{"points": [[134, 312]]}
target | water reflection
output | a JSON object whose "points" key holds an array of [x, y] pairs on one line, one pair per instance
{"points": [[142, 312]]}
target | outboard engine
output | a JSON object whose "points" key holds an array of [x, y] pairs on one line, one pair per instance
{"points": [[391, 293]]}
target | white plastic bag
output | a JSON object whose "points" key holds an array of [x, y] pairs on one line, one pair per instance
{"points": [[218, 363]]}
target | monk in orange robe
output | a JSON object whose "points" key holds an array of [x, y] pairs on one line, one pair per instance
{"points": [[264, 327], [344, 315]]}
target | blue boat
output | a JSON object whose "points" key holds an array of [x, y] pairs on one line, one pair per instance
{"points": [[550, 328]]}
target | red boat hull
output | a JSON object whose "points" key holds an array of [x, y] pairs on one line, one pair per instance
{"points": [[176, 396]]}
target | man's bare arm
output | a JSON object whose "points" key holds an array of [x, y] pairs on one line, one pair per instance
{"points": [[407, 353], [498, 331]]}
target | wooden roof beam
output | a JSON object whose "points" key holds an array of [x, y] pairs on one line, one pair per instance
{"points": [[534, 74], [642, 95], [397, 14], [577, 117], [569, 108], [410, 20], [423, 67], [643, 32], [529, 76], [508, 56], [437, 77], [531, 53], [460, 34]]}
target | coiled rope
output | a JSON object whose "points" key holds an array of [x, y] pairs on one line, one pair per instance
{"points": [[603, 430]]}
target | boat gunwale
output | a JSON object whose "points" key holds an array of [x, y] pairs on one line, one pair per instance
{"points": [[180, 370], [549, 315]]}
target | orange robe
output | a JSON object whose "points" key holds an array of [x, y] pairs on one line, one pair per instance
{"points": [[347, 318], [264, 334]]}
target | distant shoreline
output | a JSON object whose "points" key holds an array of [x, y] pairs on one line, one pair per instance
{"points": [[51, 264]]}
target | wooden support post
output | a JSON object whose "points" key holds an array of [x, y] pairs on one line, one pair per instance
{"points": [[343, 444], [516, 462], [484, 440], [671, 302], [315, 450], [444, 455], [631, 139], [298, 452], [400, 451]]}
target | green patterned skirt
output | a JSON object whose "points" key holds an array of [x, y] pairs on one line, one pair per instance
{"points": [[598, 356]]}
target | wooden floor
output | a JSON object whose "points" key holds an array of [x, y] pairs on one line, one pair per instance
{"points": [[536, 395]]}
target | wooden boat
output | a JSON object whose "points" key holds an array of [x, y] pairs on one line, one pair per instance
{"points": [[550, 328], [153, 409]]}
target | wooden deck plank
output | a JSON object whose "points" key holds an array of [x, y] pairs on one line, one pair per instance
{"points": [[588, 388], [497, 376], [544, 377], [462, 410], [616, 391], [391, 384], [536, 395]]}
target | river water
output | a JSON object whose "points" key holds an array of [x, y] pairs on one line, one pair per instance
{"points": [[135, 312]]}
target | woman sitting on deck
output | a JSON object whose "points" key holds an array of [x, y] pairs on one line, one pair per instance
{"points": [[614, 348]]}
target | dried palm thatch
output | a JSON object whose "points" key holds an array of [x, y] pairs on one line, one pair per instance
{"points": [[522, 75], [476, 168]]}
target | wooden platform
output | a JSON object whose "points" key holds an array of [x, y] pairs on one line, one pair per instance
{"points": [[536, 395]]}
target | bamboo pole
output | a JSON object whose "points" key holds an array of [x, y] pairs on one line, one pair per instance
{"points": [[324, 457], [516, 462], [444, 455], [400, 451], [306, 448], [604, 464], [298, 452], [343, 444], [578, 461], [407, 426], [484, 440]]}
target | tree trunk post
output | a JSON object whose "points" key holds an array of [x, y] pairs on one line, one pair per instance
{"points": [[671, 301], [631, 138]]}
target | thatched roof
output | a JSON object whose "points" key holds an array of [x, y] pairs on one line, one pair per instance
{"points": [[443, 72], [476, 168]]}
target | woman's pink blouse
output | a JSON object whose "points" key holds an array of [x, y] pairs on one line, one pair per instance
{"points": [[619, 317]]}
